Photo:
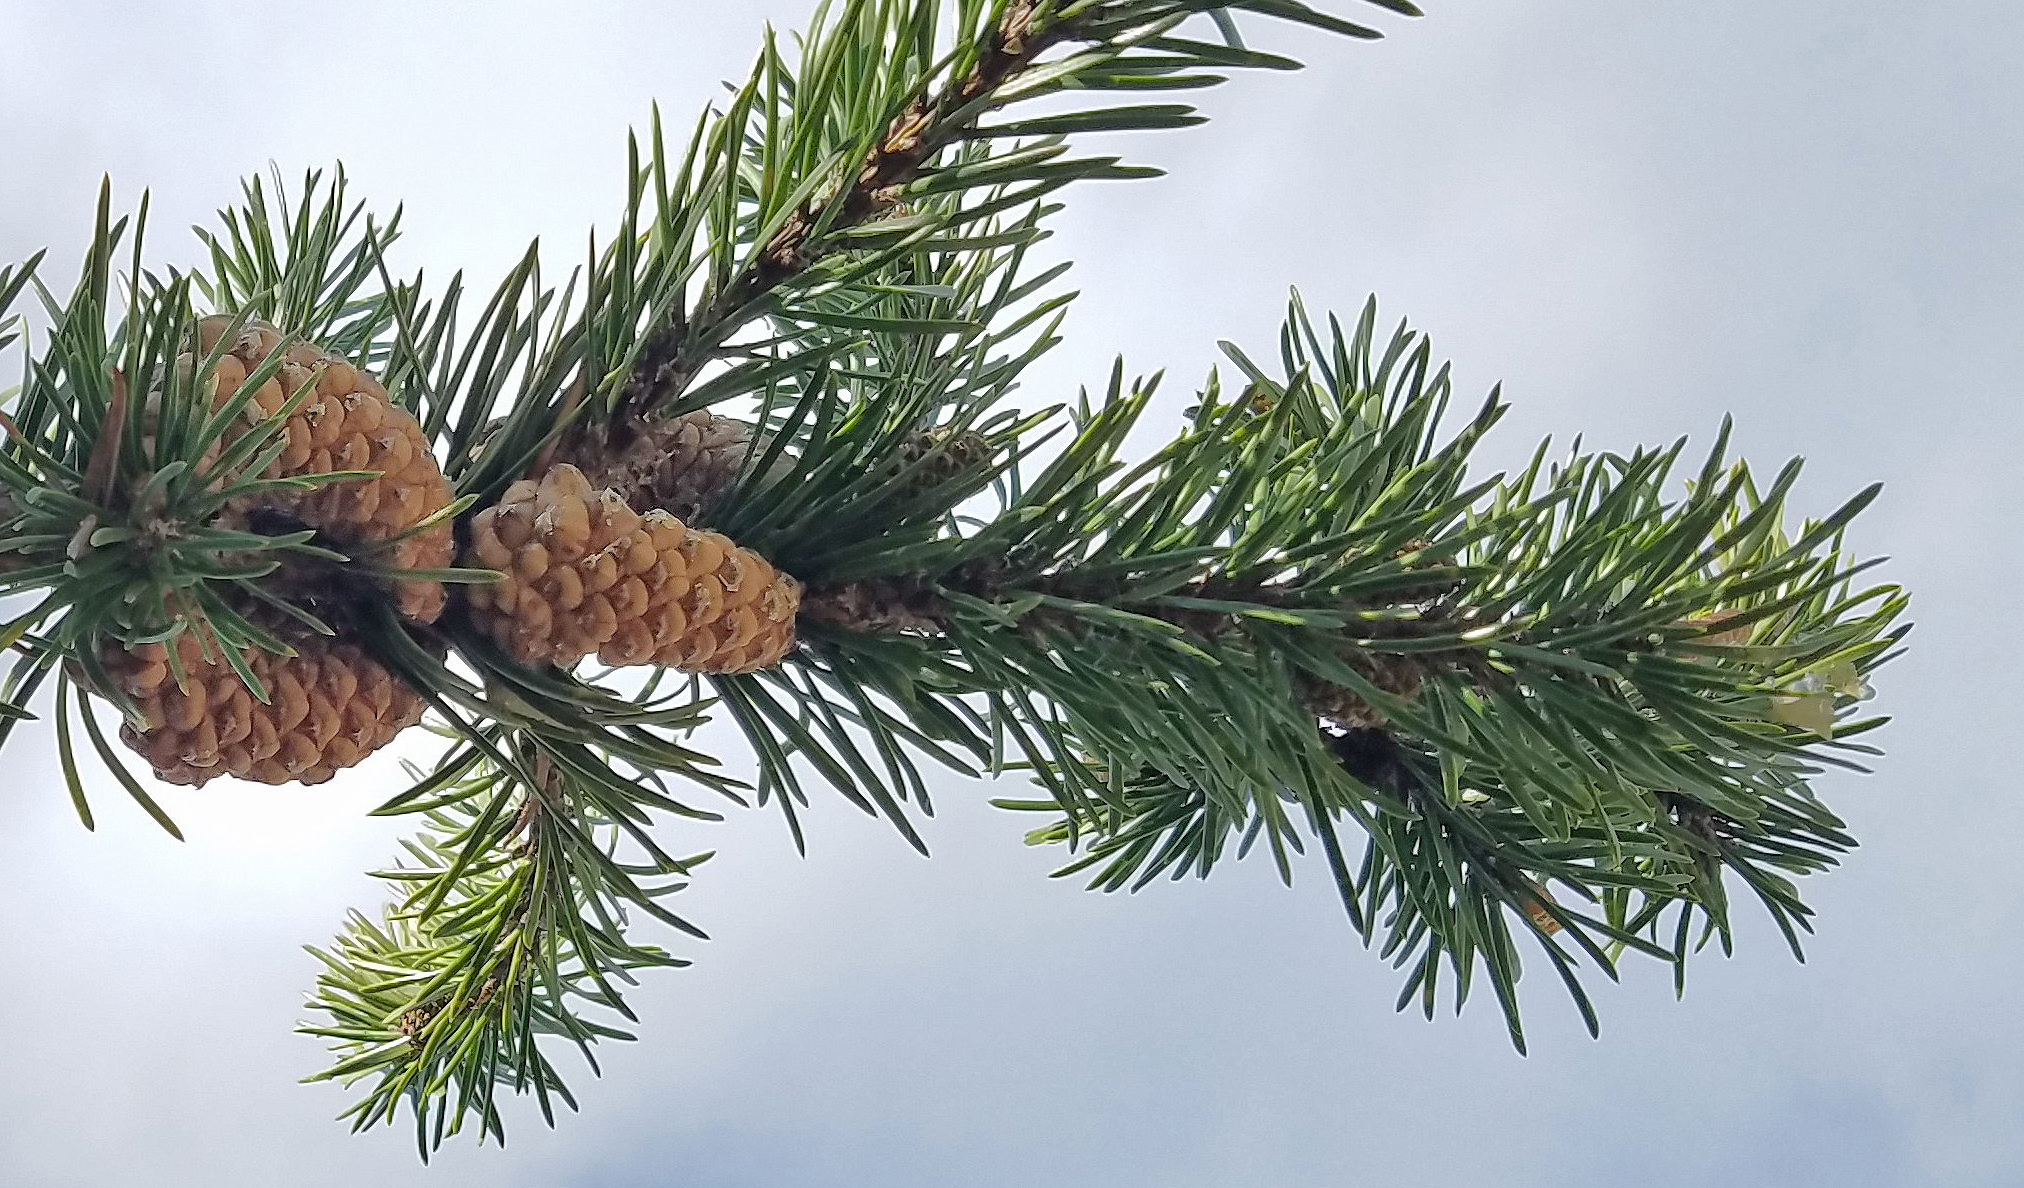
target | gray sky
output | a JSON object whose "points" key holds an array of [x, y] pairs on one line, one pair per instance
{"points": [[1636, 217]]}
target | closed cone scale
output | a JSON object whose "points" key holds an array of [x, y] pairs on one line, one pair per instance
{"points": [[586, 574]]}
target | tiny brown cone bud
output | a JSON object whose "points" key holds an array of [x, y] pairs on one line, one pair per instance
{"points": [[1534, 897], [1714, 627], [682, 465]]}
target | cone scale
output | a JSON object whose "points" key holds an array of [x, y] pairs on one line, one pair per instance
{"points": [[682, 465]]}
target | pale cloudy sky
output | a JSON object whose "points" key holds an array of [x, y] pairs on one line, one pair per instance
{"points": [[1635, 216]]}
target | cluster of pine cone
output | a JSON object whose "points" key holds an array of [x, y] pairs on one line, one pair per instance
{"points": [[583, 573]]}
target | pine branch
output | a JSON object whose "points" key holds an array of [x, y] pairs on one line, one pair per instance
{"points": [[802, 204], [928, 124], [872, 148], [1573, 672], [510, 931], [540, 845], [1574, 703]]}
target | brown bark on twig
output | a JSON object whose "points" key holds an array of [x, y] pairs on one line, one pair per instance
{"points": [[665, 365], [911, 605]]}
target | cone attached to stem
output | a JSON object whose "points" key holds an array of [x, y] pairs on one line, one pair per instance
{"points": [[348, 422], [682, 465], [329, 706], [585, 573], [328, 703]]}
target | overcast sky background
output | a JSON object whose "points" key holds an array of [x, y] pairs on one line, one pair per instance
{"points": [[1636, 216]]}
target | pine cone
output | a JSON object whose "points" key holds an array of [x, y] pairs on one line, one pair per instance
{"points": [[586, 573], [681, 466], [1398, 675], [947, 454], [329, 706], [350, 423]]}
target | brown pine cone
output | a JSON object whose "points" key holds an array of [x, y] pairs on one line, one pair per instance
{"points": [[586, 573], [1398, 675], [348, 423], [681, 466], [947, 454], [329, 706]]}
